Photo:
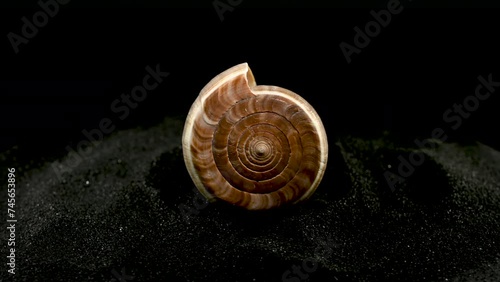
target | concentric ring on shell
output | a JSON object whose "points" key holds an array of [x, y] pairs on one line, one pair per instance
{"points": [[257, 147]]}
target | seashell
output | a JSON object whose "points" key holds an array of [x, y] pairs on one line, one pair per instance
{"points": [[253, 146]]}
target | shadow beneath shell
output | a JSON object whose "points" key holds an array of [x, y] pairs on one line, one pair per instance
{"points": [[169, 176], [335, 183]]}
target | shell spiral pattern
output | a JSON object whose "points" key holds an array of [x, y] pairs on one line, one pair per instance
{"points": [[254, 146]]}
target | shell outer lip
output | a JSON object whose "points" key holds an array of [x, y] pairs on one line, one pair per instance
{"points": [[197, 106]]}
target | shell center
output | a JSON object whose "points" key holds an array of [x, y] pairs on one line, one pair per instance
{"points": [[261, 150]]}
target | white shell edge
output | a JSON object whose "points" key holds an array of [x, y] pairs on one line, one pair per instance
{"points": [[197, 109]]}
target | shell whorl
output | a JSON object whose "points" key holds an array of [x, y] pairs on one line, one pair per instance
{"points": [[253, 146]]}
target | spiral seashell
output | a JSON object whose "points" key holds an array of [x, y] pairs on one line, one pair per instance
{"points": [[254, 146]]}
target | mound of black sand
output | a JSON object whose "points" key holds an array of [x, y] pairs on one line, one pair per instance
{"points": [[128, 211]]}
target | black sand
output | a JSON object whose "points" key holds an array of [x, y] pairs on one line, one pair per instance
{"points": [[121, 210]]}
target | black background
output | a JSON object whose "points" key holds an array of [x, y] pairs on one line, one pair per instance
{"points": [[256, 4], [65, 79]]}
